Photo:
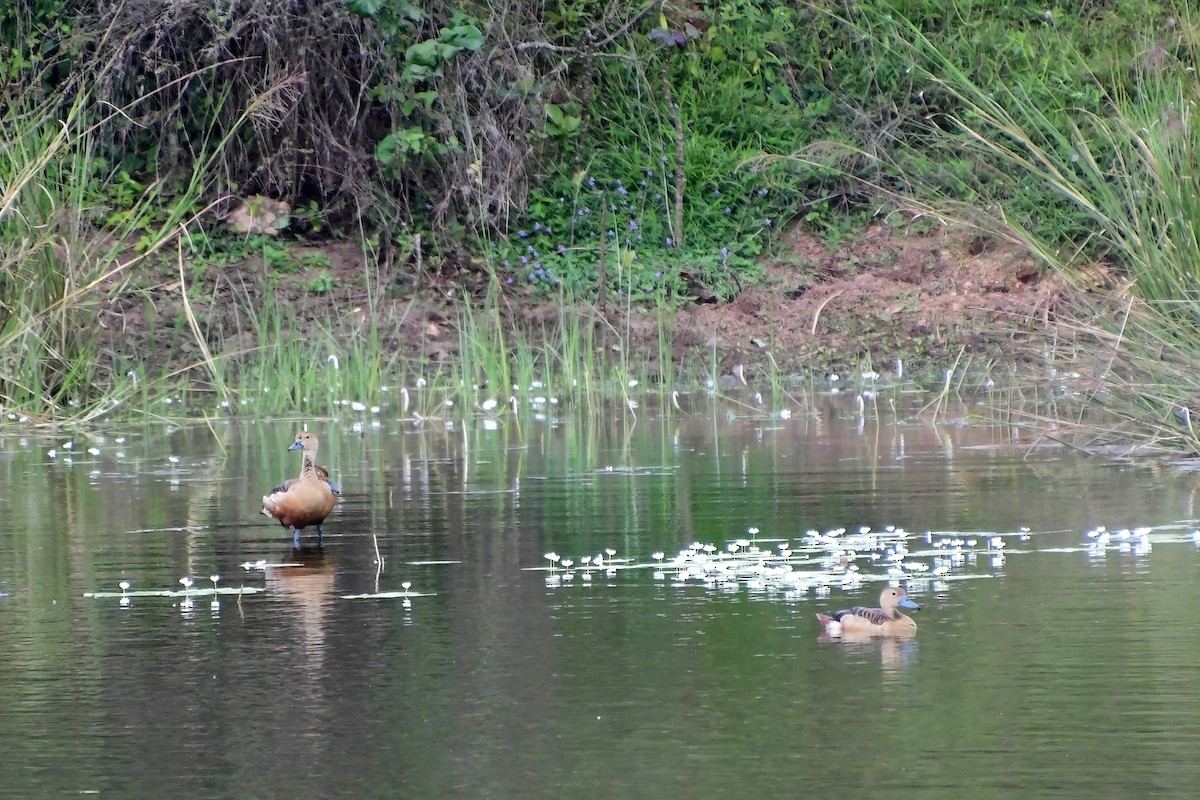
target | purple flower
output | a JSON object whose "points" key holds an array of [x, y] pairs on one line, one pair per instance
{"points": [[762, 192], [725, 252], [522, 234], [509, 281], [670, 243], [611, 234], [633, 226], [727, 210], [621, 190], [657, 275], [537, 226], [644, 184], [523, 260], [592, 182], [767, 222], [562, 248]]}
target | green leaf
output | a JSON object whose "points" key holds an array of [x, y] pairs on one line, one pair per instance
{"points": [[425, 54], [411, 12], [464, 37], [780, 95], [426, 98], [364, 8], [385, 151], [414, 73]]}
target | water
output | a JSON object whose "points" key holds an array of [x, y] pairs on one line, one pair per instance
{"points": [[1058, 671]]}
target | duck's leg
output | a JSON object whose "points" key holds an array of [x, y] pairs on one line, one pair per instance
{"points": [[320, 534], [296, 538]]}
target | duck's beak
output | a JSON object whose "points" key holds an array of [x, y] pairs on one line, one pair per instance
{"points": [[906, 603], [297, 445]]}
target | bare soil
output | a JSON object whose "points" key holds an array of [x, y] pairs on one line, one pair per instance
{"points": [[882, 296]]}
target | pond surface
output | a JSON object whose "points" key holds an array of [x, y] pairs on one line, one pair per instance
{"points": [[1053, 665]]}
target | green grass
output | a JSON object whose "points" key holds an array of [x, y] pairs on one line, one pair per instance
{"points": [[1052, 130], [1113, 175]]}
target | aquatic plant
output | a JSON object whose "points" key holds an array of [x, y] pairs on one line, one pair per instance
{"points": [[126, 593], [406, 594], [814, 562]]}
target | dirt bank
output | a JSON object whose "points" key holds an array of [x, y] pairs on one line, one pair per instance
{"points": [[883, 295]]}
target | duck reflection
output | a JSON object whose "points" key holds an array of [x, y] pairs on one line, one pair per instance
{"points": [[895, 652], [306, 584]]}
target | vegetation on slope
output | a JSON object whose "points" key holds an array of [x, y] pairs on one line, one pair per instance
{"points": [[591, 153]]}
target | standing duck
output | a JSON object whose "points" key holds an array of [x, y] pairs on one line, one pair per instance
{"points": [[883, 621], [306, 500]]}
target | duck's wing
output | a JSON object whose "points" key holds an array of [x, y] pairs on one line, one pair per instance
{"points": [[290, 482], [875, 616], [283, 487]]}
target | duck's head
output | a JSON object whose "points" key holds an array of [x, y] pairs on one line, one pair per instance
{"points": [[305, 440], [894, 596]]}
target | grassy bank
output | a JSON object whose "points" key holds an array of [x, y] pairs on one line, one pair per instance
{"points": [[555, 177], [1119, 215]]}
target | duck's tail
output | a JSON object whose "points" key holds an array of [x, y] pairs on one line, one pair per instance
{"points": [[831, 625]]}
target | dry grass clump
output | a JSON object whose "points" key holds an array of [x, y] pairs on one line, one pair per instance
{"points": [[200, 71]]}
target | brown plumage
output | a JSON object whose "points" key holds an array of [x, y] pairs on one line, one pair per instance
{"points": [[883, 621], [322, 473], [306, 500]]}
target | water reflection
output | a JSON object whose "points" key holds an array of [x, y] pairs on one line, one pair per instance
{"points": [[657, 662], [306, 585], [895, 654]]}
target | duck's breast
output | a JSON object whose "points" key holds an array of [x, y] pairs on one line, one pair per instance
{"points": [[306, 502]]}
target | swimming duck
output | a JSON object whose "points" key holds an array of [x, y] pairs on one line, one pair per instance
{"points": [[306, 500], [883, 621]]}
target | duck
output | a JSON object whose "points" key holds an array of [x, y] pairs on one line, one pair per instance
{"points": [[883, 621], [307, 500], [322, 473]]}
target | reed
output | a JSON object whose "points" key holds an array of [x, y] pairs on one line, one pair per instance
{"points": [[65, 255], [1110, 169]]}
